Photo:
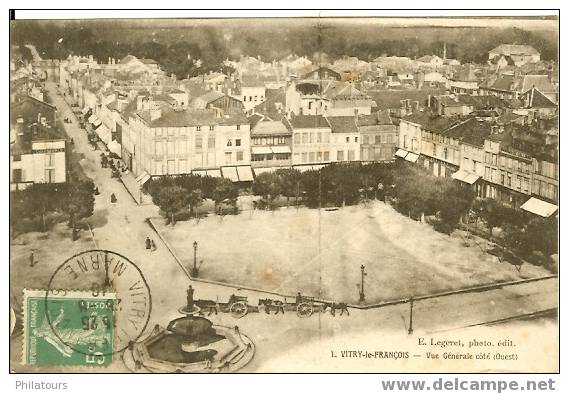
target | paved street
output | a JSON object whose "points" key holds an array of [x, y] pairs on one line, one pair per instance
{"points": [[121, 227]]}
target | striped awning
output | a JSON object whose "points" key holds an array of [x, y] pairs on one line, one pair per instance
{"points": [[143, 178], [104, 133], [115, 147], [258, 171]]}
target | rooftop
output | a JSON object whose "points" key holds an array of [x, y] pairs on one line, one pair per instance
{"points": [[309, 121], [343, 124]]}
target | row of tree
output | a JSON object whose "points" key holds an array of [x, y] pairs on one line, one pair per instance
{"points": [[175, 45], [521, 232], [187, 192], [31, 207]]}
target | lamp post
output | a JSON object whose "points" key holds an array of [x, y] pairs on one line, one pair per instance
{"points": [[362, 293], [410, 331], [195, 268]]}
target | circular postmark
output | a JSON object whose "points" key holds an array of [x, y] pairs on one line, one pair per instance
{"points": [[97, 302]]}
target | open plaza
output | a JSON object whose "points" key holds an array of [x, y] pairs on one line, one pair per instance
{"points": [[320, 253]]}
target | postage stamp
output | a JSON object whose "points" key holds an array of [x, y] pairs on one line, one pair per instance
{"points": [[68, 328]]}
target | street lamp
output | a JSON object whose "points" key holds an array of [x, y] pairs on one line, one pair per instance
{"points": [[195, 268], [362, 294]]}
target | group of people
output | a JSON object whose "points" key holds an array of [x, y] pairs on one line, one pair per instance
{"points": [[150, 245]]}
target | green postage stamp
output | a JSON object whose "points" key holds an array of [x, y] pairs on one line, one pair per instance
{"points": [[68, 328]]}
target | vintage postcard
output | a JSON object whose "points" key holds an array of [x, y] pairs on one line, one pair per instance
{"points": [[328, 194]]}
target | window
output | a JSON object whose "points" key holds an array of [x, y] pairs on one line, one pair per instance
{"points": [[347, 139], [326, 156], [296, 139], [509, 184], [211, 128], [211, 142], [237, 142], [326, 137], [244, 98], [340, 155], [17, 157], [198, 128], [239, 156], [159, 132], [366, 139], [351, 155], [319, 156], [318, 137], [312, 156], [183, 166], [238, 127], [50, 175], [158, 148], [171, 131], [310, 105], [16, 175], [250, 98], [355, 139], [171, 151], [445, 153], [198, 142], [304, 137], [229, 144], [304, 157], [171, 166], [404, 141], [50, 159], [255, 98], [183, 131], [377, 139], [228, 157]]}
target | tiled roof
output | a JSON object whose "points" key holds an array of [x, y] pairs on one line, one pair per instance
{"points": [[431, 122], [470, 131], [180, 118], [343, 124], [378, 118], [535, 99], [270, 127], [391, 99], [309, 121]]}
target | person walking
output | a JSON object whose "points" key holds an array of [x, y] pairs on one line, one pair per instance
{"points": [[32, 259], [154, 248], [148, 243], [113, 198]]}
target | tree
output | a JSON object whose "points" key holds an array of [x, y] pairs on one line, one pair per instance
{"points": [[224, 191], [267, 185], [289, 181], [171, 200], [78, 201], [44, 198]]}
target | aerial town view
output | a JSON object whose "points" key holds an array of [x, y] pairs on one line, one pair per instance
{"points": [[216, 195]]}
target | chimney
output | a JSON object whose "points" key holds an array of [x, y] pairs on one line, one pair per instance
{"points": [[139, 103]]}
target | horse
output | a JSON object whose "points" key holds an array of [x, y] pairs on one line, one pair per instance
{"points": [[343, 307], [209, 305], [271, 304]]}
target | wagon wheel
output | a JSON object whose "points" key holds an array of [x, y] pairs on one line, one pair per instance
{"points": [[238, 309], [304, 310]]}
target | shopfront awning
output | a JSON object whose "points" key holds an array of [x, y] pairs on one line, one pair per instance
{"points": [[115, 147], [261, 150], [213, 173], [143, 178], [401, 153], [199, 173], [539, 207], [104, 133], [85, 110], [230, 172], [281, 149], [92, 118], [258, 171], [465, 176], [412, 157], [245, 173]]}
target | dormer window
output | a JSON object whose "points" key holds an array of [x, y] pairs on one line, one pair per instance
{"points": [[229, 144]]}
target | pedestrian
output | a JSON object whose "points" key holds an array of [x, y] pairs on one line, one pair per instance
{"points": [[113, 198], [343, 307], [148, 243], [96, 192], [32, 259], [154, 248]]}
